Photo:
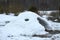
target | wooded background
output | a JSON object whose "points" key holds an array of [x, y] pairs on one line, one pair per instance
{"points": [[19, 5]]}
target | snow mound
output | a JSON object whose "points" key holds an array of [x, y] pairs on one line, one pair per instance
{"points": [[25, 24]]}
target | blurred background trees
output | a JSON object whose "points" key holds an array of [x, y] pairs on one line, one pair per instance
{"points": [[16, 6]]}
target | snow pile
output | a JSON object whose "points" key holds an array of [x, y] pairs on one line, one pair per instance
{"points": [[26, 24]]}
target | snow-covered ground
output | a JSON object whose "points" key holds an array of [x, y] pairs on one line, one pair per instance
{"points": [[54, 25], [4, 19], [24, 26], [56, 37]]}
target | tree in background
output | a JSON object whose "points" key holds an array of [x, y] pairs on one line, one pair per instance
{"points": [[33, 9], [1, 9]]}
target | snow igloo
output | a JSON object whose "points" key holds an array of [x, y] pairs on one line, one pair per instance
{"points": [[25, 24]]}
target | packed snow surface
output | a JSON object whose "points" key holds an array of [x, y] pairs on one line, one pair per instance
{"points": [[56, 37], [24, 26], [4, 19], [21, 26], [54, 25]]}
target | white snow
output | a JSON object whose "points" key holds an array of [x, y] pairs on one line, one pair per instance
{"points": [[24, 26], [44, 16], [27, 27], [4, 19], [51, 24], [12, 14], [56, 37], [23, 38], [54, 25]]}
